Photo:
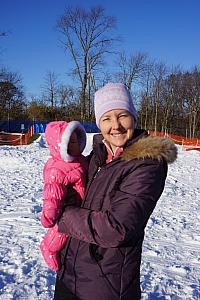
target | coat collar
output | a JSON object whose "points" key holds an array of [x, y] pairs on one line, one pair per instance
{"points": [[100, 150], [141, 146], [151, 147]]}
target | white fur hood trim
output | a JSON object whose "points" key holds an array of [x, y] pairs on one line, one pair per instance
{"points": [[81, 134]]}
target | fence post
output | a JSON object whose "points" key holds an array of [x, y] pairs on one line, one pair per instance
{"points": [[32, 130]]}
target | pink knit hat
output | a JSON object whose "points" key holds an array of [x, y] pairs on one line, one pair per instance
{"points": [[113, 96]]}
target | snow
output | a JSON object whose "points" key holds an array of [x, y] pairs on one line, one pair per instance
{"points": [[170, 261]]}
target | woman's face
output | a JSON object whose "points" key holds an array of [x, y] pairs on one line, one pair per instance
{"points": [[117, 127]]}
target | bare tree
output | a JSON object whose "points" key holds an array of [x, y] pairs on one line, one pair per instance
{"points": [[146, 82], [159, 72], [12, 100], [66, 95], [191, 86], [87, 35], [50, 88], [131, 68]]}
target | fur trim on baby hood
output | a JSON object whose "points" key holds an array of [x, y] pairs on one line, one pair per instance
{"points": [[58, 134], [81, 135], [151, 147]]}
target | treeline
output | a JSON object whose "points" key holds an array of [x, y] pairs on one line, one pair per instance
{"points": [[167, 99]]}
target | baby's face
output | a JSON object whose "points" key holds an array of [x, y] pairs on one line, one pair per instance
{"points": [[73, 147]]}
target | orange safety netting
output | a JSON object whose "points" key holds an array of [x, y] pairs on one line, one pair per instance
{"points": [[187, 143]]}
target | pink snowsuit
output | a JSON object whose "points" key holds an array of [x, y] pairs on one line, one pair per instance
{"points": [[60, 171]]}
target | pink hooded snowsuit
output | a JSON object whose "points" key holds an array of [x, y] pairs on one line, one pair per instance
{"points": [[60, 171]]}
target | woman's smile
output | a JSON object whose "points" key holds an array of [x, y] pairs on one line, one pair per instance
{"points": [[117, 127]]}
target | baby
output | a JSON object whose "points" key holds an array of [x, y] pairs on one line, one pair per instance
{"points": [[66, 169]]}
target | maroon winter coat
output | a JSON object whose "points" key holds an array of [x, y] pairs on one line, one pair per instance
{"points": [[102, 258]]}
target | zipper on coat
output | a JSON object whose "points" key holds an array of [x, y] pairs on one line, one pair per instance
{"points": [[83, 204], [74, 265], [98, 170], [89, 184]]}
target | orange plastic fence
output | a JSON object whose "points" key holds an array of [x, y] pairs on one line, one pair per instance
{"points": [[14, 139], [188, 144]]}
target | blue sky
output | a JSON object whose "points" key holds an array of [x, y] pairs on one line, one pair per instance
{"points": [[167, 30]]}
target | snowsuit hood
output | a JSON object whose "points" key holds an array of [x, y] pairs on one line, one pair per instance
{"points": [[58, 134]]}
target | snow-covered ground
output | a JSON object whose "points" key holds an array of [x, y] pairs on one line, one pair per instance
{"points": [[171, 261]]}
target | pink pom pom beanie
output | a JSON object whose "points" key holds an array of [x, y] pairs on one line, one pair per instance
{"points": [[113, 96]]}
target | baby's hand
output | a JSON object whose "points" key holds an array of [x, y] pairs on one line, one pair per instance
{"points": [[50, 215]]}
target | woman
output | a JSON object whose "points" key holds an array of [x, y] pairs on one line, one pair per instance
{"points": [[126, 177]]}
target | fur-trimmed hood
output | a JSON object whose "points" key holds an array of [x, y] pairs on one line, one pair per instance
{"points": [[151, 147], [58, 134]]}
